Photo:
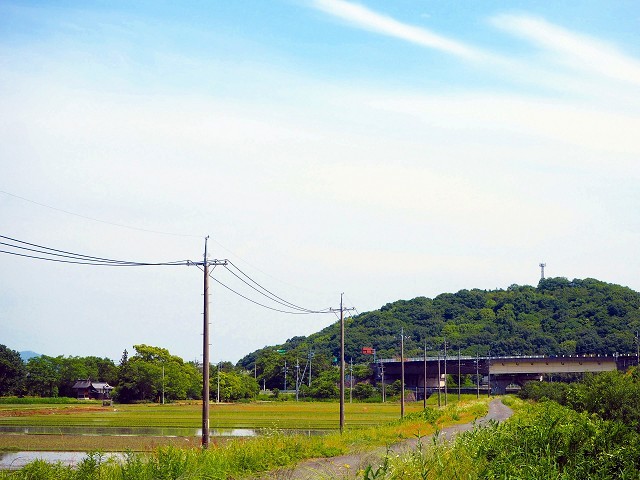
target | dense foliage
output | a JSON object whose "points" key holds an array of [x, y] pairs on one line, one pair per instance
{"points": [[147, 376], [558, 317], [543, 441], [610, 395], [152, 372], [11, 371]]}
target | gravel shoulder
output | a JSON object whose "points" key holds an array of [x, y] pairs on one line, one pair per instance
{"points": [[348, 466]]}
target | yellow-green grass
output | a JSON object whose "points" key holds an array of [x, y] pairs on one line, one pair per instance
{"points": [[280, 415], [240, 458], [270, 415]]}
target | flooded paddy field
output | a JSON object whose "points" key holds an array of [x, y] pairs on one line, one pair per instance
{"points": [[121, 428]]}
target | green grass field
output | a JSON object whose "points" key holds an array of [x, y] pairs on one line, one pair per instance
{"points": [[280, 415], [269, 415]]}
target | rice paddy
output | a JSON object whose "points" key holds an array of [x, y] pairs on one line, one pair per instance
{"points": [[114, 428]]}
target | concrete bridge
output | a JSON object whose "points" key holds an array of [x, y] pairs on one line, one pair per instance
{"points": [[496, 373]]}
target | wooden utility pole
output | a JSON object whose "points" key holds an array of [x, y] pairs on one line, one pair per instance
{"points": [[205, 352], [445, 372], [477, 375], [205, 346], [341, 365], [342, 310], [384, 392], [424, 383], [402, 372], [459, 381], [351, 381], [439, 380]]}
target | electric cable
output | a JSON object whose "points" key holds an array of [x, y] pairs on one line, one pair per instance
{"points": [[273, 296], [96, 219], [75, 258], [258, 303]]}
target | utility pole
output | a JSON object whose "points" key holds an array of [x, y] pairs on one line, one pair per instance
{"points": [[402, 372], [218, 394], [342, 310], [205, 346], [384, 393], [477, 376], [163, 384], [424, 383], [439, 379], [459, 380], [445, 371], [351, 381], [489, 375], [297, 377], [205, 353], [285, 375]]}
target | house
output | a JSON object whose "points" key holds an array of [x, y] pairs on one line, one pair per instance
{"points": [[88, 390]]}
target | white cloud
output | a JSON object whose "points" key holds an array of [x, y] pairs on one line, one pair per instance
{"points": [[573, 49], [367, 19]]}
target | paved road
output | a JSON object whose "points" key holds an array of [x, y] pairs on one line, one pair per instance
{"points": [[347, 466]]}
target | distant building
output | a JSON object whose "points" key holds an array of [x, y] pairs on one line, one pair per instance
{"points": [[88, 390]]}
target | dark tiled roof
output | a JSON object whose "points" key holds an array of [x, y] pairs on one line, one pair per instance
{"points": [[100, 386], [82, 384]]}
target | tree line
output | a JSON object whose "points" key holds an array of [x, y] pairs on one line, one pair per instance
{"points": [[152, 374], [148, 375]]}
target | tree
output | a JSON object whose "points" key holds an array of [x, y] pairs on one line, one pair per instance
{"points": [[43, 374], [363, 391], [141, 376], [325, 385], [12, 371]]}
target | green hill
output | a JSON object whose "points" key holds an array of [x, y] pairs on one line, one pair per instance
{"points": [[558, 317]]}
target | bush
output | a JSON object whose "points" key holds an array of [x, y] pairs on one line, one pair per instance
{"points": [[541, 391]]}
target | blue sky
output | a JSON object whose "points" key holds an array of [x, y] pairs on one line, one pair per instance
{"points": [[382, 149]]}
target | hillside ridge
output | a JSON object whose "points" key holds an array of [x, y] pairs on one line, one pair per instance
{"points": [[557, 317]]}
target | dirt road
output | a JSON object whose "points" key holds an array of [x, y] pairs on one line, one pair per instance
{"points": [[347, 466]]}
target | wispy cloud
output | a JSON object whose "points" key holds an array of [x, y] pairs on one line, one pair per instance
{"points": [[573, 49], [367, 19]]}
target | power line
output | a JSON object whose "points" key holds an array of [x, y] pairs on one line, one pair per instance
{"points": [[96, 219], [261, 304], [269, 294], [44, 253], [63, 256]]}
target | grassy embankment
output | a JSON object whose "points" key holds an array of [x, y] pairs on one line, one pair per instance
{"points": [[245, 457], [542, 441]]}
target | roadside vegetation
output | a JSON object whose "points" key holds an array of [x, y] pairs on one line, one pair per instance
{"points": [[543, 441], [594, 434]]}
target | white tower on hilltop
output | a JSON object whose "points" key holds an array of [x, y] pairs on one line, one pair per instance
{"points": [[542, 265]]}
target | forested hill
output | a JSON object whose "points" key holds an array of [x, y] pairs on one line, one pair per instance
{"points": [[558, 317]]}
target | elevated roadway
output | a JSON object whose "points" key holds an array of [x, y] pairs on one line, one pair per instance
{"points": [[496, 372]]}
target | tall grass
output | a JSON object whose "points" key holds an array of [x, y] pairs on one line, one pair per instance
{"points": [[544, 441]]}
